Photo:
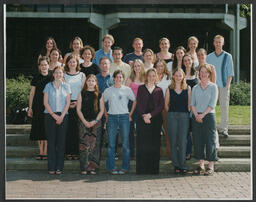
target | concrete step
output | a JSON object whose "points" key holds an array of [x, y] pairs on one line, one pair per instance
{"points": [[234, 151], [23, 140], [222, 165], [223, 152], [25, 128], [235, 140]]}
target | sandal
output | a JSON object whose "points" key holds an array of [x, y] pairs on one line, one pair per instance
{"points": [[198, 170], [58, 172], [208, 172], [69, 157], [84, 172], [44, 157], [75, 157], [176, 170], [93, 172], [184, 171], [51, 172], [38, 157]]}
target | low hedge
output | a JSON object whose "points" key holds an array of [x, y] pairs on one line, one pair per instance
{"points": [[240, 94]]}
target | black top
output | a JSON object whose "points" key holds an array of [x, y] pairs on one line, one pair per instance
{"points": [[39, 81], [178, 102], [93, 69], [167, 60], [88, 105], [192, 82]]}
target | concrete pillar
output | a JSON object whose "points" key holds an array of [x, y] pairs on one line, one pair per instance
{"points": [[104, 23], [237, 39]]}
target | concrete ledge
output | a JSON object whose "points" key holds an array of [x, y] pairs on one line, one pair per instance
{"points": [[223, 165]]}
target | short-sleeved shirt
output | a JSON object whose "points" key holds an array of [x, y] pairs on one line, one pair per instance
{"points": [[93, 69], [131, 57], [118, 99], [223, 65], [126, 69], [99, 54], [164, 83], [202, 99], [75, 82], [104, 82], [57, 98]]}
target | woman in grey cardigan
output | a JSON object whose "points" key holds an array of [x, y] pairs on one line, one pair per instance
{"points": [[203, 102]]}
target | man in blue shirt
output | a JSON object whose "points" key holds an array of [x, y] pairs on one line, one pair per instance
{"points": [[224, 72], [106, 51], [137, 54], [105, 80]]}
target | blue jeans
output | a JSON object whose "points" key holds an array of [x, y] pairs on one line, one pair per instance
{"points": [[115, 121]]}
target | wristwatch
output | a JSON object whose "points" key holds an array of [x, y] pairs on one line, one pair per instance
{"points": [[96, 120]]}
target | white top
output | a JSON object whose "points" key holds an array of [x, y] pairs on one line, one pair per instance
{"points": [[118, 99], [58, 107], [80, 59], [126, 69], [164, 83], [169, 67]]}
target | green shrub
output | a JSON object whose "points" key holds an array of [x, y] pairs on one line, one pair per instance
{"points": [[17, 93], [240, 94]]}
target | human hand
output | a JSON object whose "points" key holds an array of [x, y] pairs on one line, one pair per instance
{"points": [[30, 113]]}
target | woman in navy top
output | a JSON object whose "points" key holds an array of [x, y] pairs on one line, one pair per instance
{"points": [[177, 100]]}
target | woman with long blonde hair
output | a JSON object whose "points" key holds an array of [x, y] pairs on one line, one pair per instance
{"points": [[135, 80], [90, 108], [177, 103]]}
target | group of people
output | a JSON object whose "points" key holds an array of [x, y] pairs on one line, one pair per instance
{"points": [[142, 93]]}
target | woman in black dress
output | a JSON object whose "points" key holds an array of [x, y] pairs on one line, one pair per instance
{"points": [[87, 67], [150, 103], [36, 106]]}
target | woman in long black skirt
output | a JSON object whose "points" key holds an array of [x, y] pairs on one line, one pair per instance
{"points": [[150, 103], [36, 107]]}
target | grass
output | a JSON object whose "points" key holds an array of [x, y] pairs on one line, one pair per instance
{"points": [[238, 115]]}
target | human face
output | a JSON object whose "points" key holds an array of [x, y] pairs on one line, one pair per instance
{"points": [[54, 56], [218, 43], [204, 74], [107, 43], [201, 57], [137, 45], [160, 68], [72, 63], [179, 54], [187, 61], [91, 83], [49, 44], [43, 67], [137, 67], [58, 75], [178, 77], [148, 57], [76, 45], [118, 79], [192, 44], [87, 55], [117, 55], [164, 45], [151, 77], [105, 65]]}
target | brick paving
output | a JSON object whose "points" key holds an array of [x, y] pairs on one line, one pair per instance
{"points": [[38, 184]]}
